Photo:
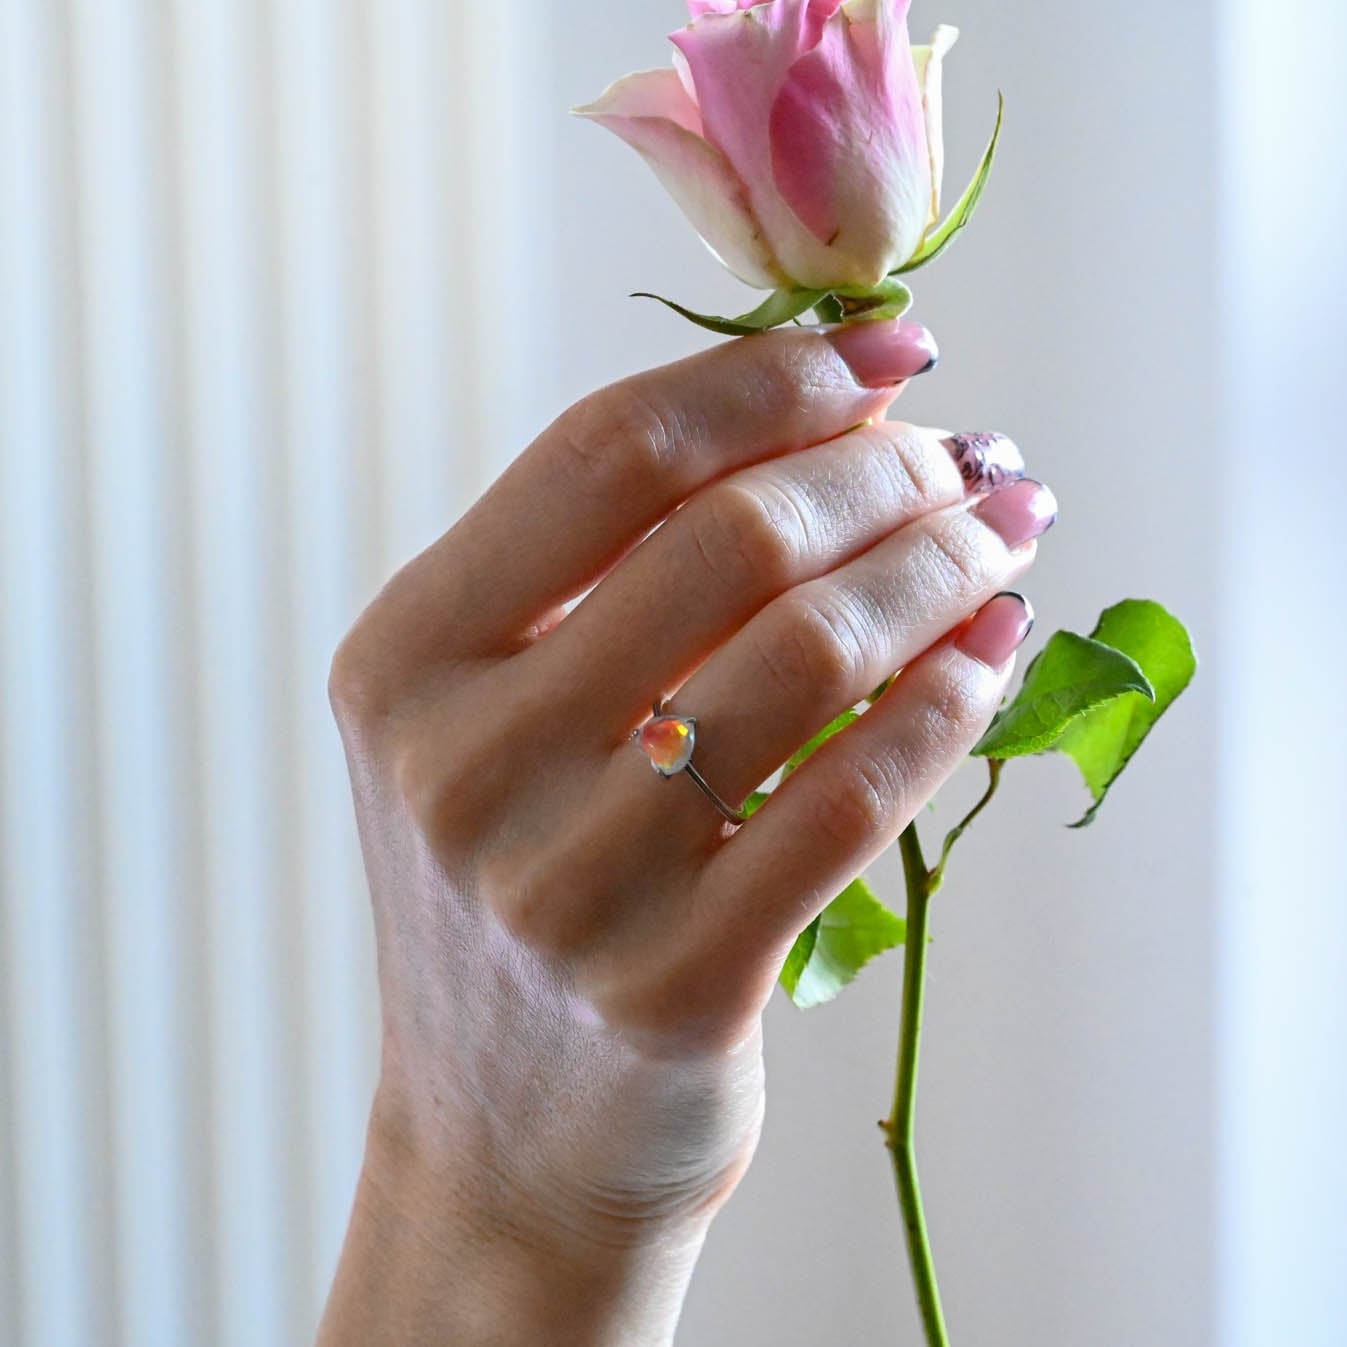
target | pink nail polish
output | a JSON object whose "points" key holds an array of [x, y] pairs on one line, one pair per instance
{"points": [[883, 353], [986, 460], [1019, 512], [997, 630]]}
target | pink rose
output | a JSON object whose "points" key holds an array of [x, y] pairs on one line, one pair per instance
{"points": [[802, 138]]}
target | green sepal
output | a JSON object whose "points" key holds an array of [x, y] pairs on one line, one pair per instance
{"points": [[1103, 741], [838, 943], [779, 307], [1071, 675], [943, 235]]}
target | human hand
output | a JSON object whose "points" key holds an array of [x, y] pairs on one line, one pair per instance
{"points": [[574, 955]]}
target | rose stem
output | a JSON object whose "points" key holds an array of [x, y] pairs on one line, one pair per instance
{"points": [[900, 1127]]}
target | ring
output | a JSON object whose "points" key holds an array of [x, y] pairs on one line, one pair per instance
{"points": [[668, 741]]}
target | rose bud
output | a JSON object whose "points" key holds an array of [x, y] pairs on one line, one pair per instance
{"points": [[802, 138]]}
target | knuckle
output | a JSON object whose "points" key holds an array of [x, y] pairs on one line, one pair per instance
{"points": [[424, 783], [385, 660], [747, 536], [622, 439], [792, 382], [544, 899], [814, 650], [930, 481], [952, 710], [516, 889], [450, 782], [859, 806], [958, 553], [357, 685]]}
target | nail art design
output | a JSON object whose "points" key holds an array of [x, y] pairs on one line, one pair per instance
{"points": [[986, 460]]}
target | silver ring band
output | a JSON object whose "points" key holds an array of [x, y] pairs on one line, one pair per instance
{"points": [[668, 741]]}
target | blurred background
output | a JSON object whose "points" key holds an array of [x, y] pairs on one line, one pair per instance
{"points": [[285, 283]]}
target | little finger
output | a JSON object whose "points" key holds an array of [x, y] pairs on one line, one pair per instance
{"points": [[849, 801]]}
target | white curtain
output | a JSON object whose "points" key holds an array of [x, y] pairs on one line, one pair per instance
{"points": [[236, 390]]}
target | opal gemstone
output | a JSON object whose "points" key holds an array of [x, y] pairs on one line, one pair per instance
{"points": [[668, 742]]}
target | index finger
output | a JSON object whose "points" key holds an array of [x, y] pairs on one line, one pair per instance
{"points": [[609, 469]]}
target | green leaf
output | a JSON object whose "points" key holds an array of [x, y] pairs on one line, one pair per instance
{"points": [[1071, 675], [838, 943], [760, 797], [940, 238], [798, 959], [821, 738], [779, 307], [1103, 740]]}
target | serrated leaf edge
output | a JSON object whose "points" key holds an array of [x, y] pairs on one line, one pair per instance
{"points": [[1043, 743]]}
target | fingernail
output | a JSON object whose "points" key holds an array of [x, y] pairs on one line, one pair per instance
{"points": [[882, 354], [997, 630], [986, 460], [1018, 512]]}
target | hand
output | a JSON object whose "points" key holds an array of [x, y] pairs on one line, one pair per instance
{"points": [[574, 954]]}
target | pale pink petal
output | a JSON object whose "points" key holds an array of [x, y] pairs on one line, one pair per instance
{"points": [[818, 14], [699, 7], [653, 113], [887, 15], [928, 63], [849, 150], [739, 62], [680, 63], [647, 93], [886, 176], [807, 138]]}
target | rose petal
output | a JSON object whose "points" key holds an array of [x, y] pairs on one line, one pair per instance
{"points": [[814, 131], [647, 93], [680, 64], [927, 61], [888, 16], [806, 140], [699, 7], [653, 113], [888, 173], [739, 62]]}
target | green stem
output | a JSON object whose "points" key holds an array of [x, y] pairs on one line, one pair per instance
{"points": [[937, 876], [900, 1128]]}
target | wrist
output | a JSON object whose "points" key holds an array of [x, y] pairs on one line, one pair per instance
{"points": [[439, 1250]]}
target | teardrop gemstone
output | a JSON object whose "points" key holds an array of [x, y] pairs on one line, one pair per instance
{"points": [[668, 742]]}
